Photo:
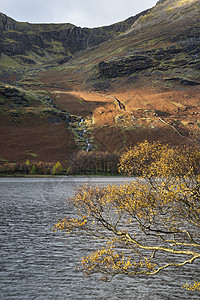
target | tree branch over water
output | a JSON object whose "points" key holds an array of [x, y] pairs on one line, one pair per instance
{"points": [[148, 225]]}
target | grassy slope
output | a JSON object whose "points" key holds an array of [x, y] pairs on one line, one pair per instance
{"points": [[31, 128]]}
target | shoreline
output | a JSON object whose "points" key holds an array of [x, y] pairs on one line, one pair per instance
{"points": [[61, 176]]}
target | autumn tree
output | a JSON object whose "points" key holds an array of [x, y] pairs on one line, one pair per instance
{"points": [[33, 170], [57, 169], [142, 222]]}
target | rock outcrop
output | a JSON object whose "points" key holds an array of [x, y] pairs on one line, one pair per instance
{"points": [[183, 55], [13, 96], [125, 67]]}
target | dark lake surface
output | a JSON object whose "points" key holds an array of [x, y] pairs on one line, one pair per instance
{"points": [[36, 263]]}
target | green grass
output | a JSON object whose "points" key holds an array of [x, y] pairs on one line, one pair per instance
{"points": [[32, 154], [7, 61]]}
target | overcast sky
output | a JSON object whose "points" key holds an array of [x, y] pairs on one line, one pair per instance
{"points": [[84, 13]]}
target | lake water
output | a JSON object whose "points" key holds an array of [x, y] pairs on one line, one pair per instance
{"points": [[39, 264]]}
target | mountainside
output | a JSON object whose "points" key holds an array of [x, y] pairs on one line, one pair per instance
{"points": [[66, 88], [165, 40], [32, 43]]}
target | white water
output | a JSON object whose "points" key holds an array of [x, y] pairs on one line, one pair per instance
{"points": [[83, 133]]}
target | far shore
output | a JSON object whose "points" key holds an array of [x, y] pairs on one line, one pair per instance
{"points": [[60, 176]]}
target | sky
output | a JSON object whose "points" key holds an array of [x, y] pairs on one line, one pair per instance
{"points": [[84, 13]]}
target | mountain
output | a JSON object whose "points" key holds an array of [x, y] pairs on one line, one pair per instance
{"points": [[66, 88], [32, 43]]}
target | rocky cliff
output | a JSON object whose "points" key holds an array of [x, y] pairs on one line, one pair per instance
{"points": [[49, 41]]}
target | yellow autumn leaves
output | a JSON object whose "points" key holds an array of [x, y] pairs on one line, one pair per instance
{"points": [[110, 260], [154, 159], [192, 287], [158, 212]]}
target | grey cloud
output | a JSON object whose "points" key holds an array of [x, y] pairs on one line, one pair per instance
{"points": [[88, 13]]}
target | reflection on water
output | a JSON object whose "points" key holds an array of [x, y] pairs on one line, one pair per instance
{"points": [[38, 264]]}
